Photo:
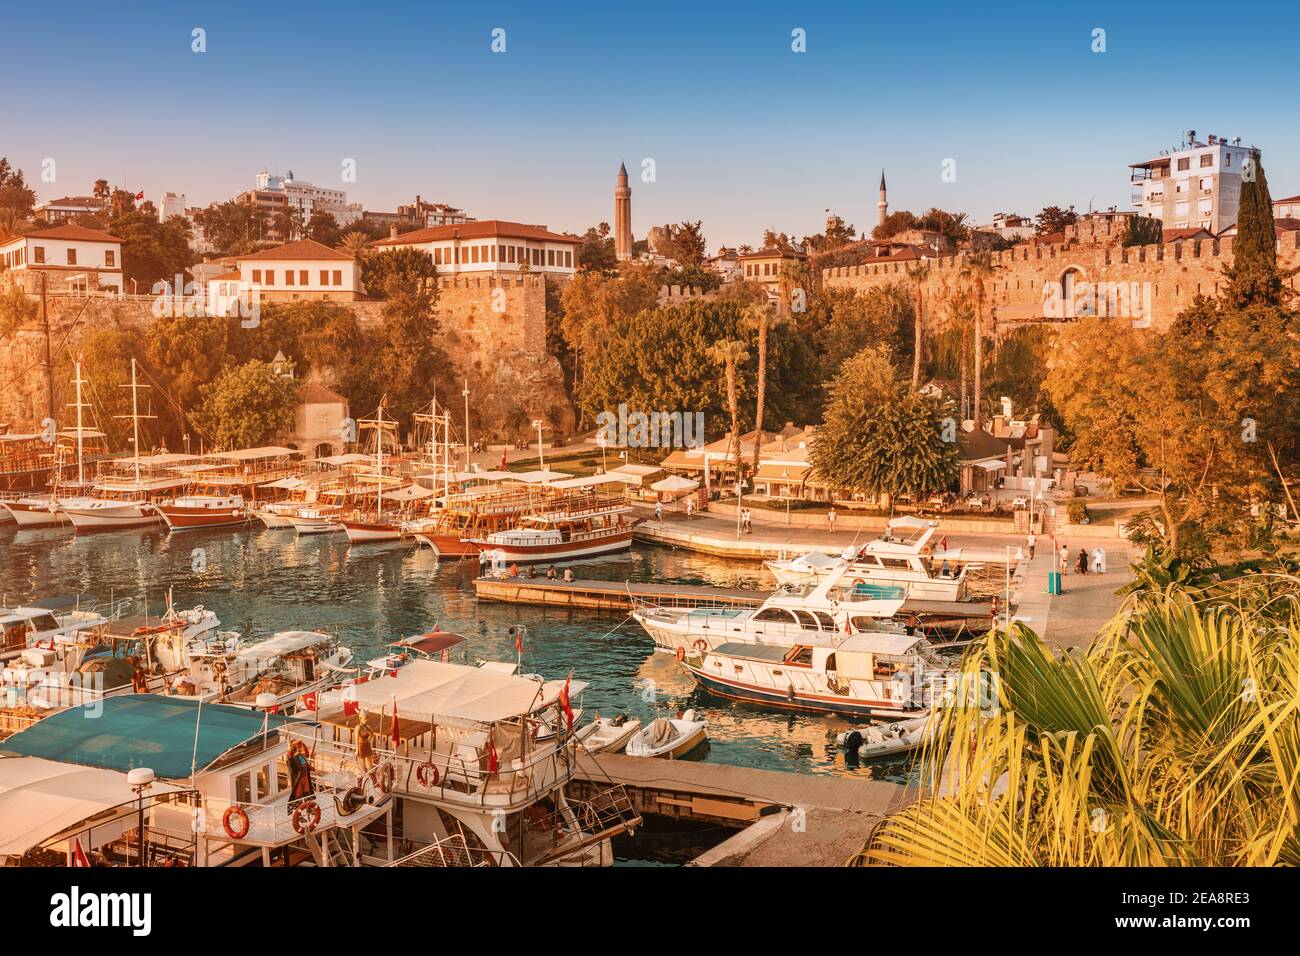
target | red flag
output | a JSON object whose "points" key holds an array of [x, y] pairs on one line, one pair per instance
{"points": [[519, 641], [847, 628], [351, 708], [564, 702], [78, 854], [943, 543], [139, 196], [309, 701], [494, 762], [503, 459], [394, 731]]}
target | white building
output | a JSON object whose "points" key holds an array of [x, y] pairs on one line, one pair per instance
{"points": [[1011, 226], [305, 269], [170, 205], [55, 211], [72, 258], [308, 198], [490, 246], [1194, 184]]}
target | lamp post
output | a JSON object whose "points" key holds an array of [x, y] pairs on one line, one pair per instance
{"points": [[139, 780], [541, 460], [1020, 556]]}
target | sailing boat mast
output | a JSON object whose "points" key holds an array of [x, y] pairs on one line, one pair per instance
{"points": [[79, 381], [466, 394], [135, 419]]}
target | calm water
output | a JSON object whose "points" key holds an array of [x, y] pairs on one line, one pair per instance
{"points": [[259, 582]]}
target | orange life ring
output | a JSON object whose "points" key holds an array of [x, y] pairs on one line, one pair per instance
{"points": [[382, 777], [427, 775], [700, 644], [857, 581], [306, 816], [681, 654], [239, 830]]}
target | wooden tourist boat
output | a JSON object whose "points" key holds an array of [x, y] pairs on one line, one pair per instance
{"points": [[565, 529], [225, 487]]}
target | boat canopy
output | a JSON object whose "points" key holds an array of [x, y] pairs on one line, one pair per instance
{"points": [[172, 736], [285, 642], [536, 477], [349, 459], [432, 642], [458, 694], [40, 799], [253, 454], [753, 652], [155, 461], [409, 493], [606, 478], [286, 483], [880, 642]]}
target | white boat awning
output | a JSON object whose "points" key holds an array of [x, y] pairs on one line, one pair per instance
{"points": [[539, 477], [40, 799], [409, 493], [609, 478], [675, 483], [458, 693], [252, 454]]}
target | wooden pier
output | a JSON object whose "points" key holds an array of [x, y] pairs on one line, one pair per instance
{"points": [[733, 796], [619, 596]]}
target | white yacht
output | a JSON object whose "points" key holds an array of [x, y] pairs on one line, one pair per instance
{"points": [[286, 665], [817, 613], [903, 557]]}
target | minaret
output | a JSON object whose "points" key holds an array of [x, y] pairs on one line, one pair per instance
{"points": [[622, 216], [883, 204]]}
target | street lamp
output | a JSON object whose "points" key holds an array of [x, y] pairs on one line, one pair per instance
{"points": [[541, 460], [140, 779], [1020, 556]]}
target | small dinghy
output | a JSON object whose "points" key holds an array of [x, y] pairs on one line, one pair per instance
{"points": [[669, 737], [881, 740], [609, 735], [546, 728]]}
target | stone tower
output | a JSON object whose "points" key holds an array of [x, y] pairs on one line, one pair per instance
{"points": [[623, 216], [882, 205]]}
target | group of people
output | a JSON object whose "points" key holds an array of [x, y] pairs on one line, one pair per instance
{"points": [[1082, 562], [746, 521], [528, 572]]}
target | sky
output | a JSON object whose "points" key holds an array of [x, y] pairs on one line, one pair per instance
{"points": [[743, 132]]}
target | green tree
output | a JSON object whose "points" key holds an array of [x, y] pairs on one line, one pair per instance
{"points": [[16, 197], [1142, 231], [895, 222], [731, 354], [323, 227], [917, 275], [978, 270], [596, 252], [760, 318], [397, 271], [881, 437], [688, 244], [842, 322], [247, 405], [17, 309], [152, 251], [1253, 277], [1054, 219], [354, 244]]}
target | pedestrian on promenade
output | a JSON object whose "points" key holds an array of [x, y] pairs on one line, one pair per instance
{"points": [[1064, 556], [1083, 561], [747, 521], [659, 511], [830, 518], [690, 506], [1098, 561], [1030, 542]]}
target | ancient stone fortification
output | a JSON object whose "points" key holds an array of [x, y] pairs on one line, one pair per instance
{"points": [[494, 330], [1176, 273]]}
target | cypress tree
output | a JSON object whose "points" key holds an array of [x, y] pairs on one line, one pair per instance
{"points": [[1253, 277]]}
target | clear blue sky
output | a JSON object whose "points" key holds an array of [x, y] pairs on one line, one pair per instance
{"points": [[745, 133]]}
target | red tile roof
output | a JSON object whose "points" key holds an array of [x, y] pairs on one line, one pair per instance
{"points": [[224, 275], [1173, 235], [478, 229], [302, 249], [1287, 199], [71, 232], [770, 253]]}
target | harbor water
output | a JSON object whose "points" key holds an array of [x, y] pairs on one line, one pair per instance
{"points": [[259, 582]]}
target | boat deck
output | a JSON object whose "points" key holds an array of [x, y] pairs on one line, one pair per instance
{"points": [[619, 595]]}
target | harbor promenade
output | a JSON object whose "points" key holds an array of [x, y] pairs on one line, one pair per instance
{"points": [[1073, 617]]}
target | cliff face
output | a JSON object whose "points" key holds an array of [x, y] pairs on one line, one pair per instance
{"points": [[493, 329]]}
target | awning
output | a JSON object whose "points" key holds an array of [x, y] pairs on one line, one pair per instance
{"points": [[252, 454], [675, 483], [288, 483], [772, 471], [693, 461], [40, 799], [991, 465], [640, 471], [538, 477], [349, 459], [432, 642], [609, 478], [409, 493]]}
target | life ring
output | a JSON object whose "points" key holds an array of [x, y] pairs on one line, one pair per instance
{"points": [[382, 777], [681, 654], [857, 581], [305, 816], [427, 775], [235, 830], [700, 644]]}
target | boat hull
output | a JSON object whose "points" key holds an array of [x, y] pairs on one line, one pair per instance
{"points": [[125, 515], [361, 532], [273, 521], [796, 700], [559, 551], [33, 515], [447, 545], [184, 519]]}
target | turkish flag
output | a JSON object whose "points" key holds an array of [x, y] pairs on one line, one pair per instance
{"points": [[351, 708], [564, 702], [519, 641], [494, 762], [309, 701], [139, 196], [78, 854], [394, 731], [503, 459]]}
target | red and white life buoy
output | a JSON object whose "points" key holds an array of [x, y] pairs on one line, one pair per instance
{"points": [[427, 775], [382, 777], [857, 581], [306, 816], [235, 822], [700, 645]]}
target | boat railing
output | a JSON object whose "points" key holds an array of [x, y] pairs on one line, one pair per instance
{"points": [[580, 823], [454, 850], [461, 776]]}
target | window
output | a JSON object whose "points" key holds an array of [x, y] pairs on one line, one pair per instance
{"points": [[550, 257], [257, 276], [302, 277], [510, 253], [72, 257], [1227, 159], [1207, 159], [568, 259], [1185, 163], [269, 276], [288, 277], [244, 788], [338, 276], [775, 615], [800, 655], [806, 620], [109, 257], [264, 782], [324, 277]]}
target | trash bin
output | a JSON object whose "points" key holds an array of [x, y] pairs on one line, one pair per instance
{"points": [[1053, 582]]}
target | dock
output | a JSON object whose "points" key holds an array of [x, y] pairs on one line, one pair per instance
{"points": [[619, 596]]}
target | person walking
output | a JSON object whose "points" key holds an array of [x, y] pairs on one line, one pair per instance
{"points": [[830, 518], [1098, 561], [659, 511], [1083, 561], [690, 507], [1063, 555], [1029, 544]]}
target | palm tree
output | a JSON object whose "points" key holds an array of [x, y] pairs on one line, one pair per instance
{"points": [[977, 270], [761, 318], [917, 275], [354, 244], [730, 354], [101, 190], [1173, 741]]}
